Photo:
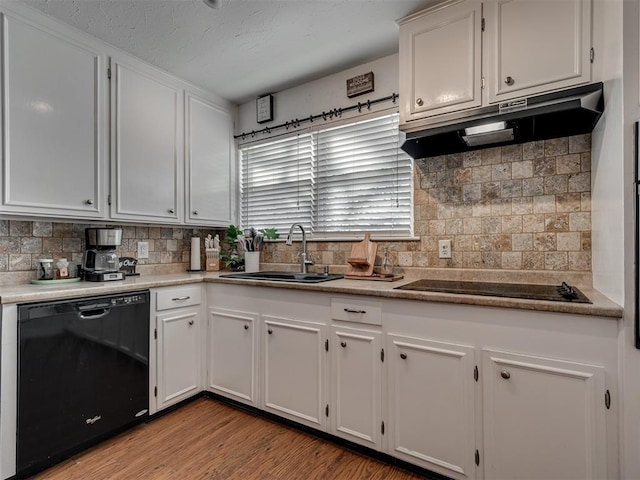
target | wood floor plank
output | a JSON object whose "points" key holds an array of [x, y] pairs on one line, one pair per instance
{"points": [[208, 439]]}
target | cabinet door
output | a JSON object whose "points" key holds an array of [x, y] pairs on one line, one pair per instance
{"points": [[356, 385], [543, 418], [534, 46], [54, 123], [294, 364], [208, 161], [232, 349], [432, 405], [178, 355], [440, 61], [147, 173]]}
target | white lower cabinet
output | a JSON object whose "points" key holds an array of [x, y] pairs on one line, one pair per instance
{"points": [[232, 362], [293, 370], [432, 403], [543, 418], [176, 329], [356, 392], [463, 391]]}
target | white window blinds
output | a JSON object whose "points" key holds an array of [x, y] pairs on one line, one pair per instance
{"points": [[364, 179], [337, 181], [277, 183]]}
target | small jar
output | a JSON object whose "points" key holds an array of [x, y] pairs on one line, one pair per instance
{"points": [[45, 269], [62, 270]]}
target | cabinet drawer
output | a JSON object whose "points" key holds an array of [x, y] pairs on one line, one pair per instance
{"points": [[178, 297], [360, 311]]}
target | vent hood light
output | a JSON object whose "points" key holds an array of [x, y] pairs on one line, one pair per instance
{"points": [[560, 114], [487, 134], [486, 128]]}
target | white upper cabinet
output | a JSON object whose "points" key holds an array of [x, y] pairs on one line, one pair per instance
{"points": [[146, 145], [208, 139], [465, 53], [440, 61], [536, 46], [54, 123]]}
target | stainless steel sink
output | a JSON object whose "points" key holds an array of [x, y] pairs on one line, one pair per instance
{"points": [[284, 276]]}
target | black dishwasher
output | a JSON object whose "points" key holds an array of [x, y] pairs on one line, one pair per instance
{"points": [[83, 374]]}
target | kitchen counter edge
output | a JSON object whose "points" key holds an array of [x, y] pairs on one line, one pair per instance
{"points": [[601, 306]]}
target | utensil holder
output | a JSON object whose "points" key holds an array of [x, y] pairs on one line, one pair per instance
{"points": [[251, 262]]}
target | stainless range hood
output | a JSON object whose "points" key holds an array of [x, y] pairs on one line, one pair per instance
{"points": [[559, 114]]}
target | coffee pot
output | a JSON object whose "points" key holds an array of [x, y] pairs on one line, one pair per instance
{"points": [[100, 261]]}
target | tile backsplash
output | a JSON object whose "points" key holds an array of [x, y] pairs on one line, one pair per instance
{"points": [[22, 243], [518, 207]]}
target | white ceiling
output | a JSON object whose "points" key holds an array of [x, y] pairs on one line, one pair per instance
{"points": [[243, 48]]}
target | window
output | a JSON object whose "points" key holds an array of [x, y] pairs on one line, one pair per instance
{"points": [[336, 181]]}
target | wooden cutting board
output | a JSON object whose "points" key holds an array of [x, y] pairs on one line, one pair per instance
{"points": [[362, 258]]}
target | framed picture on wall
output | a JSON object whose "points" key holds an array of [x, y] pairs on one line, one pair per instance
{"points": [[264, 109]]}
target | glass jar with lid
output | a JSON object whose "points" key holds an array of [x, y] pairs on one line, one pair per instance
{"points": [[45, 269]]}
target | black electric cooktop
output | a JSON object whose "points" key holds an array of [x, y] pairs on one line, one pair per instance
{"points": [[554, 293]]}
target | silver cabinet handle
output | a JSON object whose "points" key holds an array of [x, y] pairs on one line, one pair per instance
{"points": [[343, 344], [505, 374], [246, 327], [403, 356], [269, 331], [350, 310], [180, 299], [509, 81], [88, 202], [419, 102], [195, 212], [190, 322], [171, 210]]}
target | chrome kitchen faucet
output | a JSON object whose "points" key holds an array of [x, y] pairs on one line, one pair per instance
{"points": [[304, 262]]}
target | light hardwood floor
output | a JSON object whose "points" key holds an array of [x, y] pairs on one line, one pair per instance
{"points": [[207, 439]]}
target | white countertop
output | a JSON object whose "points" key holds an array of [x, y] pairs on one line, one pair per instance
{"points": [[601, 305]]}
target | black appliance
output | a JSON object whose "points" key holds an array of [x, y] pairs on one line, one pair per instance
{"points": [[83, 374], [100, 262], [560, 114], [554, 293]]}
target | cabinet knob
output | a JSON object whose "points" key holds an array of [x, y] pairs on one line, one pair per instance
{"points": [[505, 374], [403, 356], [509, 81], [171, 210], [419, 102], [88, 202], [246, 327], [343, 344], [269, 331], [190, 322], [195, 213]]}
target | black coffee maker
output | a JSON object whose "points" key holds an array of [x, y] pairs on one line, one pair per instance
{"points": [[100, 262]]}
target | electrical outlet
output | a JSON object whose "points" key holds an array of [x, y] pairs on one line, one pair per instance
{"points": [[444, 248], [143, 249]]}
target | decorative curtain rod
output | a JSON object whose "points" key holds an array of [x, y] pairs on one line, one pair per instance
{"points": [[336, 112]]}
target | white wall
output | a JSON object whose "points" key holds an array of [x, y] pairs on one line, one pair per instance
{"points": [[629, 355], [616, 39], [607, 154], [324, 94]]}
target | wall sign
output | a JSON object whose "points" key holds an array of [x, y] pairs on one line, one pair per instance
{"points": [[360, 85], [264, 109]]}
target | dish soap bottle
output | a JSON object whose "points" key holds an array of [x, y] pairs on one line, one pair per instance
{"points": [[386, 269]]}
